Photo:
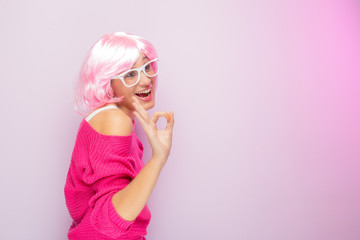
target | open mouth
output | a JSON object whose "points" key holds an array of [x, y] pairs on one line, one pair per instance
{"points": [[143, 95]]}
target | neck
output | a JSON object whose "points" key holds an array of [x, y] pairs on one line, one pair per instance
{"points": [[128, 112]]}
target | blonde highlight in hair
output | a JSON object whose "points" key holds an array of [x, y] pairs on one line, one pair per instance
{"points": [[112, 54]]}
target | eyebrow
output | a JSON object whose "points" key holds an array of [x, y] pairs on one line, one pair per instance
{"points": [[145, 57]]}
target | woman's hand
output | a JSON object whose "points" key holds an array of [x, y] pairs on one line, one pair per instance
{"points": [[160, 140]]}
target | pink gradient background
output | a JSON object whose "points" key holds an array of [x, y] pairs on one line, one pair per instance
{"points": [[266, 99]]}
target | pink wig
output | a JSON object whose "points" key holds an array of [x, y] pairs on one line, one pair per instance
{"points": [[112, 54]]}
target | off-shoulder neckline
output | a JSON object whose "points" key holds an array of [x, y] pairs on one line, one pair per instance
{"points": [[87, 124]]}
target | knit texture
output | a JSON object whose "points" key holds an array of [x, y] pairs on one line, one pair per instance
{"points": [[100, 166]]}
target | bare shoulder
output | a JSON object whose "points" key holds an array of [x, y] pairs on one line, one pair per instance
{"points": [[112, 122]]}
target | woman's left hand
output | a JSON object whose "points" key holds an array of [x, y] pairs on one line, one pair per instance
{"points": [[160, 140]]}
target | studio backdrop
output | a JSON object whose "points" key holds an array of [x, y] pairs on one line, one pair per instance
{"points": [[266, 100]]}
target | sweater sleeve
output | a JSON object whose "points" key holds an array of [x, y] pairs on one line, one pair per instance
{"points": [[111, 168]]}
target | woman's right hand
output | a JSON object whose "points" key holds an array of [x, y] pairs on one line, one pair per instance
{"points": [[160, 140]]}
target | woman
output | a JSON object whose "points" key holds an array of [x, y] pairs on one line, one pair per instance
{"points": [[108, 184]]}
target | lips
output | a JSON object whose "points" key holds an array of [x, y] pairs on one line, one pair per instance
{"points": [[144, 96], [143, 90]]}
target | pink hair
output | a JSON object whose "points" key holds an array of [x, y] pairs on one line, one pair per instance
{"points": [[110, 55]]}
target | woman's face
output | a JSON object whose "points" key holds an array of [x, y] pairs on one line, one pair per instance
{"points": [[144, 83]]}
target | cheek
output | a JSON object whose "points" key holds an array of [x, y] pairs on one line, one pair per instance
{"points": [[121, 90], [128, 93]]}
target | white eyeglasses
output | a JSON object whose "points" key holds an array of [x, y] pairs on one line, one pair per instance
{"points": [[132, 77]]}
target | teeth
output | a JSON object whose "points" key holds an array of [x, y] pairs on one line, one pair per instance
{"points": [[146, 91]]}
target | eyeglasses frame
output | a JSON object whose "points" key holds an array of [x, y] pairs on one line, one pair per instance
{"points": [[142, 68]]}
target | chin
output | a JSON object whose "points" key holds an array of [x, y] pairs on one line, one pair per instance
{"points": [[150, 105]]}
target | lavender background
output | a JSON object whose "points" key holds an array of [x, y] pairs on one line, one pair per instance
{"points": [[266, 100]]}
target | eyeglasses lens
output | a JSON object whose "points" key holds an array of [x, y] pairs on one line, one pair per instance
{"points": [[151, 69], [131, 77]]}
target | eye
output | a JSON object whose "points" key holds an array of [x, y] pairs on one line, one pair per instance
{"points": [[147, 67], [130, 74]]}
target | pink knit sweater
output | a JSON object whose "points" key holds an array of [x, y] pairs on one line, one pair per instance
{"points": [[101, 165]]}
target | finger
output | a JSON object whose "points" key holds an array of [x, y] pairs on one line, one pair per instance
{"points": [[141, 120], [157, 115], [170, 122], [168, 117], [140, 109]]}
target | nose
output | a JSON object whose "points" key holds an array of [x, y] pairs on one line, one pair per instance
{"points": [[144, 80]]}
